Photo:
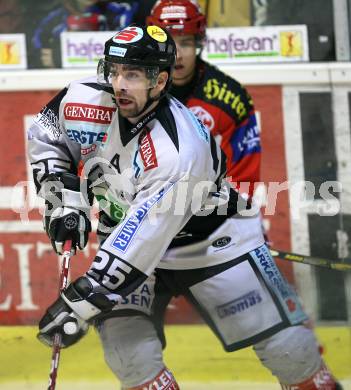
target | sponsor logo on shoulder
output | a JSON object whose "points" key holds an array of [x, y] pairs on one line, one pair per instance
{"points": [[220, 242], [205, 117], [202, 130], [240, 304], [49, 121], [147, 151], [88, 113]]}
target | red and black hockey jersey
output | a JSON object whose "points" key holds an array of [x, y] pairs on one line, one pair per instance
{"points": [[226, 108]]}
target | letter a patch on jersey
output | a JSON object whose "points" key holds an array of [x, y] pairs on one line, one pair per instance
{"points": [[147, 151]]}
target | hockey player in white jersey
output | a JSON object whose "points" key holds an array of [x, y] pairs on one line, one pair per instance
{"points": [[168, 224]]}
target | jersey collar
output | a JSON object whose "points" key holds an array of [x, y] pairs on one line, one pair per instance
{"points": [[129, 130]]}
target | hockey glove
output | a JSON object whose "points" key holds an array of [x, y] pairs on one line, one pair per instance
{"points": [[66, 211], [60, 318], [68, 315]]}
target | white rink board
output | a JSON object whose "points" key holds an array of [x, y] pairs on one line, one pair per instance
{"points": [[248, 74]]}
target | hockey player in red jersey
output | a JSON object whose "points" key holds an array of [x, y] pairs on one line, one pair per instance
{"points": [[220, 101]]}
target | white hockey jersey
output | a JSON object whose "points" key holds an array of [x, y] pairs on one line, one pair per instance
{"points": [[158, 184]]}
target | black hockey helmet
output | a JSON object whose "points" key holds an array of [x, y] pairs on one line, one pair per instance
{"points": [[146, 46]]}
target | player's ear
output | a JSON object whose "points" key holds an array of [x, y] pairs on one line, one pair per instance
{"points": [[162, 80]]}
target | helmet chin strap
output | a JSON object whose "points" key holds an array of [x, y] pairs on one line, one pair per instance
{"points": [[149, 101]]}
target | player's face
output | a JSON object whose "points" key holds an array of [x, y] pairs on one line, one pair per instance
{"points": [[132, 89], [186, 59]]}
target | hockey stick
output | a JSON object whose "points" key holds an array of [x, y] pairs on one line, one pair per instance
{"points": [[56, 346], [317, 261]]}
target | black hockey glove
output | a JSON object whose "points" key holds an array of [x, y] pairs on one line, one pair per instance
{"points": [[60, 318], [66, 211], [68, 316]]}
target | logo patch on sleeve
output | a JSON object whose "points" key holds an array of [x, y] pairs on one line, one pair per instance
{"points": [[147, 151], [131, 225], [246, 140], [205, 117], [48, 120]]}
